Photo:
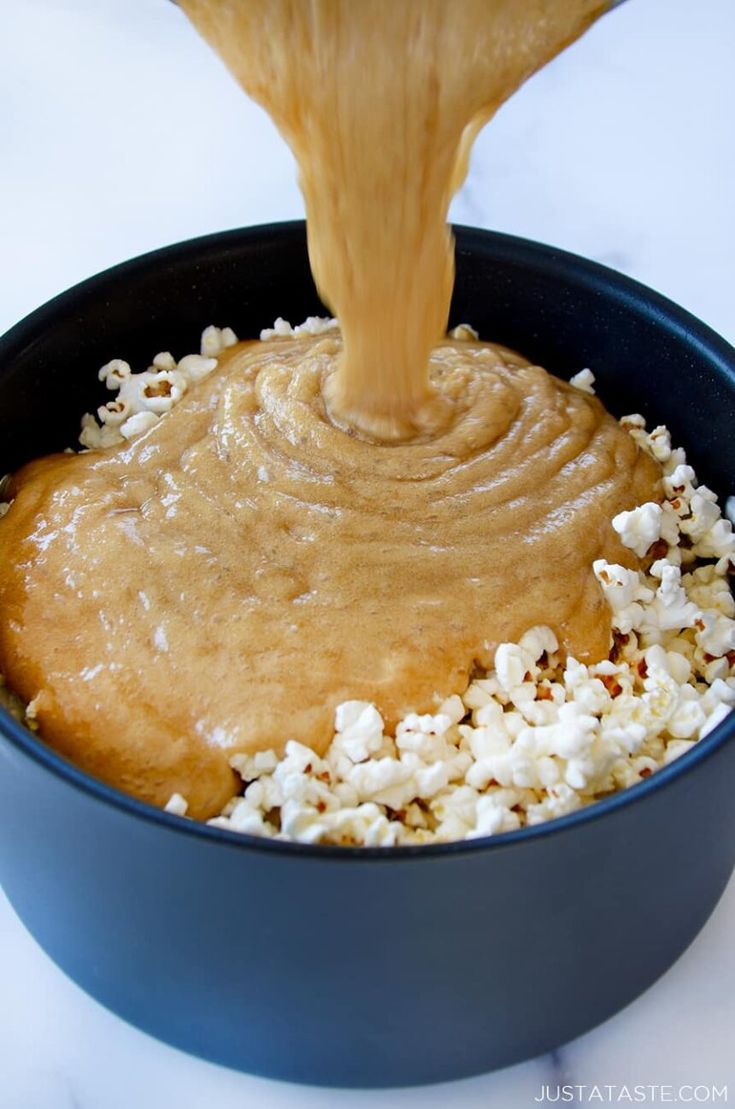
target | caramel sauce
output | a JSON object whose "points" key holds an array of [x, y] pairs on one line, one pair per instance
{"points": [[227, 579], [364, 515]]}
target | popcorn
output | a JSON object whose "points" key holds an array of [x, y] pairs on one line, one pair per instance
{"points": [[679, 486], [389, 781], [316, 325], [493, 816], [536, 737], [716, 717], [640, 528], [717, 542], [137, 424], [244, 818], [515, 669], [625, 592], [704, 512], [252, 767], [559, 801], [539, 641], [659, 443], [584, 381], [96, 437], [709, 589], [670, 609], [143, 397], [215, 340], [312, 325], [281, 328], [676, 749], [164, 360], [176, 804], [194, 367], [463, 332], [715, 634], [359, 728], [114, 373]]}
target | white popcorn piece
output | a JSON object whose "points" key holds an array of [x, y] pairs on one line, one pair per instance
{"points": [[453, 708], [215, 339], [718, 714], [195, 367], [717, 542], [676, 749], [670, 608], [114, 373], [584, 381], [388, 781], [703, 513], [164, 360], [720, 692], [114, 413], [281, 329], [559, 801], [155, 391], [252, 767], [94, 437], [715, 634], [312, 325], [640, 528], [316, 325], [626, 593], [244, 818], [680, 483], [709, 589], [539, 641], [176, 804], [359, 730], [137, 424], [515, 669], [463, 333], [492, 816], [659, 442]]}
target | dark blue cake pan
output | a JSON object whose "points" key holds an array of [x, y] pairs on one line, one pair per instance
{"points": [[383, 966]]}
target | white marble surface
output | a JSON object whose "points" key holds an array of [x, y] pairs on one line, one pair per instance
{"points": [[119, 133]]}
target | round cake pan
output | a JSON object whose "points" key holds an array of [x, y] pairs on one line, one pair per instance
{"points": [[383, 966]]}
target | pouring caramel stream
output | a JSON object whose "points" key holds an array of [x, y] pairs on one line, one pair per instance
{"points": [[380, 101]]}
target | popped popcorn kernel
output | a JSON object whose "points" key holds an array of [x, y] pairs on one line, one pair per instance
{"points": [[463, 332], [312, 325], [640, 528], [176, 804], [215, 340], [584, 381]]}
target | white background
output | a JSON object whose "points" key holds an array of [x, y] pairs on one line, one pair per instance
{"points": [[119, 132]]}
